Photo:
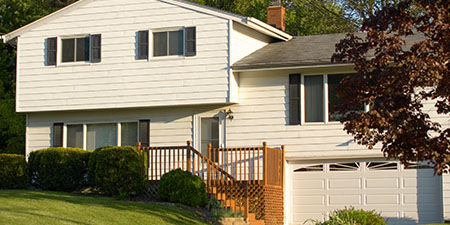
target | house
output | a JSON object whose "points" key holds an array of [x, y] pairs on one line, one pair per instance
{"points": [[112, 72]]}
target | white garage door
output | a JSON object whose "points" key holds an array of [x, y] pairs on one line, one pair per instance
{"points": [[403, 196]]}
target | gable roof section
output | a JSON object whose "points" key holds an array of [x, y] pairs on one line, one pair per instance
{"points": [[301, 51], [246, 21]]}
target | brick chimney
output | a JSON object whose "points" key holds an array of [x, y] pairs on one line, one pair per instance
{"points": [[276, 15]]}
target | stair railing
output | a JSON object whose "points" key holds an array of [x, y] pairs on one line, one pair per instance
{"points": [[224, 187]]}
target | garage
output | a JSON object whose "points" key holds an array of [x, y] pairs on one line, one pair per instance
{"points": [[403, 196]]}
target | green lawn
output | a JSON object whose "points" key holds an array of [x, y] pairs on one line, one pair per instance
{"points": [[38, 207]]}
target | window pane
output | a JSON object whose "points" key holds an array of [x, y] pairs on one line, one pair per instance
{"points": [[176, 43], [209, 133], [83, 49], [314, 98], [160, 44], [75, 136], [68, 48], [99, 135], [333, 98], [128, 134]]}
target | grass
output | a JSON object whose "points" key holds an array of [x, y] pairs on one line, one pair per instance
{"points": [[42, 207]]}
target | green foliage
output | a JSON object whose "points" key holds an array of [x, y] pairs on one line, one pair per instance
{"points": [[302, 17], [218, 211], [352, 216], [13, 171], [183, 187], [59, 169], [117, 171]]}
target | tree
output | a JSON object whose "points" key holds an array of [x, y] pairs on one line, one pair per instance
{"points": [[399, 80], [14, 14], [303, 17]]}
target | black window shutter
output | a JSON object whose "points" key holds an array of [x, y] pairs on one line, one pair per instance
{"points": [[191, 43], [144, 132], [143, 44], [96, 48], [58, 134], [294, 99], [51, 51]]}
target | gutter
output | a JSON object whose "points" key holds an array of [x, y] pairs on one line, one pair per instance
{"points": [[266, 26], [291, 67]]}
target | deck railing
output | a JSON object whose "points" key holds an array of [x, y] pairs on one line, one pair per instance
{"points": [[257, 165], [230, 174]]}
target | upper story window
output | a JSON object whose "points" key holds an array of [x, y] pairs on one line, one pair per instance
{"points": [[76, 49], [313, 97], [179, 42]]}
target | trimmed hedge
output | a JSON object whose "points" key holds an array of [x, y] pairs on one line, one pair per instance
{"points": [[13, 171], [183, 187], [59, 169], [117, 171], [352, 216]]}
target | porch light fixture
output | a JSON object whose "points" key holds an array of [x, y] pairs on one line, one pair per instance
{"points": [[228, 114]]}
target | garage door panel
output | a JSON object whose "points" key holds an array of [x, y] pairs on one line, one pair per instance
{"points": [[344, 183], [382, 183], [385, 199], [309, 184], [309, 200], [391, 190], [344, 200]]}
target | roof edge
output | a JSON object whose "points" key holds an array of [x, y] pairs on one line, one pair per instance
{"points": [[288, 67], [13, 34], [248, 21]]}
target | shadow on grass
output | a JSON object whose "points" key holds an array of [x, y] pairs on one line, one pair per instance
{"points": [[168, 213]]}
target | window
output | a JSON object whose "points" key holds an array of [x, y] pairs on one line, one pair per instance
{"points": [[128, 134], [75, 136], [99, 135], [209, 133], [314, 98], [167, 43], [317, 95], [79, 49], [93, 136], [144, 132], [75, 49], [58, 134]]}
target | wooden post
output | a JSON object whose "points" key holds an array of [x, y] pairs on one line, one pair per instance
{"points": [[282, 165], [188, 158], [208, 168], [246, 203], [265, 162], [138, 147]]}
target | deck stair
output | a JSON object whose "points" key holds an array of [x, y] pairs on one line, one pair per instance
{"points": [[241, 179]]}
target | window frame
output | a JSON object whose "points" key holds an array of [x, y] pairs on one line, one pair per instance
{"points": [[59, 50], [325, 99], [166, 30], [85, 124], [150, 41]]}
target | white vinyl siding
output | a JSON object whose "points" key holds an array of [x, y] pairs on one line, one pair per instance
{"points": [[120, 81]]}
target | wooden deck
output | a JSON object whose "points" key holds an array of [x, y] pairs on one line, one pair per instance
{"points": [[244, 180]]}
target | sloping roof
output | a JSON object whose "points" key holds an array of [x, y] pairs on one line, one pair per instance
{"points": [[247, 21], [298, 52]]}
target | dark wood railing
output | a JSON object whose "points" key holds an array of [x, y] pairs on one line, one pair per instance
{"points": [[257, 165], [229, 173], [223, 186]]}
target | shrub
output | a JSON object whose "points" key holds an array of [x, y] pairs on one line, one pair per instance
{"points": [[117, 171], [180, 186], [13, 171], [59, 169], [352, 216]]}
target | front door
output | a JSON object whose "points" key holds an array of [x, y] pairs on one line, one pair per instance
{"points": [[209, 131]]}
